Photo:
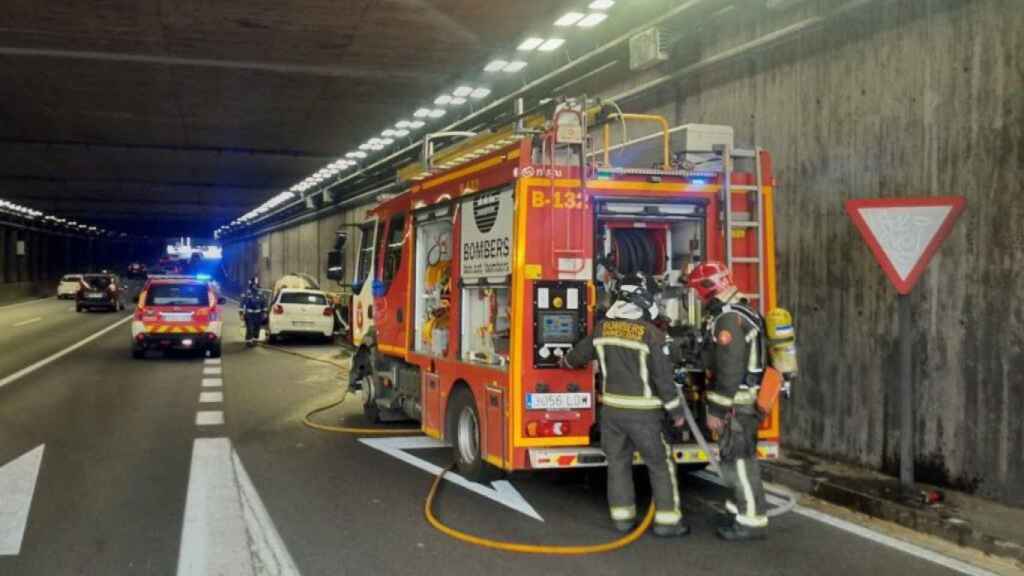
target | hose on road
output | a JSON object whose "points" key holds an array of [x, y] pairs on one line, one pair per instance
{"points": [[506, 546], [308, 418]]}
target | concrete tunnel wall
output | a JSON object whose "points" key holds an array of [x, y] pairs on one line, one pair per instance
{"points": [[49, 254], [893, 98]]}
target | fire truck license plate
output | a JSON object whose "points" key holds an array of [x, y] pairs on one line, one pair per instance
{"points": [[571, 401]]}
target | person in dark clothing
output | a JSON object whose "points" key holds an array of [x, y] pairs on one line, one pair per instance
{"points": [[736, 357], [638, 390], [253, 310]]}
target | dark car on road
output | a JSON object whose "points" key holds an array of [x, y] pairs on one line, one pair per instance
{"points": [[99, 292]]}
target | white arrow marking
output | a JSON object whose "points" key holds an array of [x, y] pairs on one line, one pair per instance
{"points": [[500, 491], [227, 530], [17, 485]]}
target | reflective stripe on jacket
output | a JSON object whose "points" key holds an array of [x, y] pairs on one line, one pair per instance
{"points": [[634, 360]]}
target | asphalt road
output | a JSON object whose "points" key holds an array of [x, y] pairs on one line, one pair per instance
{"points": [[130, 484]]}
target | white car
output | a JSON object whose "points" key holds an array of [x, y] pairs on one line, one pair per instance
{"points": [[69, 286], [297, 312]]}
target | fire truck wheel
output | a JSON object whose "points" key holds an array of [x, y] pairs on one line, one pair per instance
{"points": [[464, 432], [215, 350], [366, 390]]}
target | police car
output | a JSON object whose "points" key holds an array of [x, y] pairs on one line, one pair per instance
{"points": [[177, 312]]}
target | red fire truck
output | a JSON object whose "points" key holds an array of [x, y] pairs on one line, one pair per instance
{"points": [[495, 259]]}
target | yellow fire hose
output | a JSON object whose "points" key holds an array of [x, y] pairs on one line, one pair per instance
{"points": [[428, 505]]}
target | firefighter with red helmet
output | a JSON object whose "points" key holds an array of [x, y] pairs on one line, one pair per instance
{"points": [[736, 357], [637, 391]]}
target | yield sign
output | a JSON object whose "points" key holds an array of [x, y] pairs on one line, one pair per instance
{"points": [[904, 233]]}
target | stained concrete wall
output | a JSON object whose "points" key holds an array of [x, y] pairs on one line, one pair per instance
{"points": [[297, 249], [896, 98]]}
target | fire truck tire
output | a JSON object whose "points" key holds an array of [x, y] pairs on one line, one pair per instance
{"points": [[215, 350], [138, 353], [367, 390], [464, 432]]}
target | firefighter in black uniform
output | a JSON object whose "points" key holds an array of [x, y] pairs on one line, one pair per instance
{"points": [[254, 306], [638, 390], [736, 357]]}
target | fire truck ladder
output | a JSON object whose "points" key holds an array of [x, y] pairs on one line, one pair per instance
{"points": [[754, 220]]}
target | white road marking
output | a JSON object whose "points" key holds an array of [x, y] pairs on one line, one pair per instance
{"points": [[34, 301], [209, 418], [869, 534], [26, 322], [53, 357], [211, 397], [500, 491], [211, 371], [227, 529], [212, 362], [17, 485], [212, 382]]}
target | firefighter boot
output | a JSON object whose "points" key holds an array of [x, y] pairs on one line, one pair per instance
{"points": [[678, 529], [624, 526], [740, 533]]}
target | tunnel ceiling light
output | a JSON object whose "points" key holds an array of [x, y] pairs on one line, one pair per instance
{"points": [[569, 19], [422, 113], [388, 133], [415, 124], [358, 154], [514, 66], [496, 65], [365, 147], [457, 101], [436, 113], [462, 91], [601, 4], [443, 100], [592, 19], [386, 141], [480, 93], [400, 133], [551, 44], [530, 44]]}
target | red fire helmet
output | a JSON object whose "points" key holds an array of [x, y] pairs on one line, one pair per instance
{"points": [[709, 279]]}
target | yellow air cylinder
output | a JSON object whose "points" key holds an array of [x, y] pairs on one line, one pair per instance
{"points": [[782, 341]]}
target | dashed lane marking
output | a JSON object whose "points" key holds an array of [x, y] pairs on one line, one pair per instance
{"points": [[57, 356], [33, 301], [212, 371], [212, 362], [212, 382], [227, 529], [209, 418], [26, 322], [211, 397]]}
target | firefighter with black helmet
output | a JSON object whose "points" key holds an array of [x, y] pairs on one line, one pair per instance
{"points": [[637, 391], [254, 307], [736, 358]]}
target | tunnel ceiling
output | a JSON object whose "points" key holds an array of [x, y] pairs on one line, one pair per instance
{"points": [[172, 117]]}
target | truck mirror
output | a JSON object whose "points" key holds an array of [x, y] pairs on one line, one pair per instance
{"points": [[336, 265]]}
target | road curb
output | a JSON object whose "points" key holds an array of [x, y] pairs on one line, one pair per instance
{"points": [[943, 521]]}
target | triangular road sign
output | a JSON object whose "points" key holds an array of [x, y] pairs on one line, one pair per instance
{"points": [[904, 233]]}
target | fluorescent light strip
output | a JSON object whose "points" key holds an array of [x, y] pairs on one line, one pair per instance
{"points": [[592, 19], [569, 19], [530, 44]]}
